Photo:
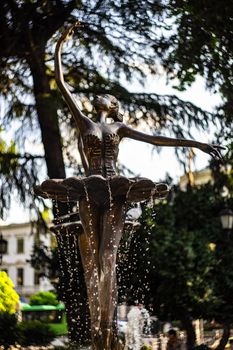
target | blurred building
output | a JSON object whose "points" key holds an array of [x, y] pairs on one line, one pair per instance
{"points": [[16, 258], [196, 178]]}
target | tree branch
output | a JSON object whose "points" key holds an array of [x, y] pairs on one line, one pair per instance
{"points": [[25, 156]]}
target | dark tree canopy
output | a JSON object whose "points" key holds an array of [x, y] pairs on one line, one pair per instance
{"points": [[201, 43]]}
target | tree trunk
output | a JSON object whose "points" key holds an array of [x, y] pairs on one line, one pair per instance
{"points": [[77, 317], [225, 336], [47, 115], [190, 331]]}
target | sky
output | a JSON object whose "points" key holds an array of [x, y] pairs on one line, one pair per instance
{"points": [[142, 158]]}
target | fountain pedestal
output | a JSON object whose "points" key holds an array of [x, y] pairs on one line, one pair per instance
{"points": [[102, 211]]}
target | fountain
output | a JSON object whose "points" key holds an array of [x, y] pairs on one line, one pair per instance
{"points": [[102, 198], [138, 322]]}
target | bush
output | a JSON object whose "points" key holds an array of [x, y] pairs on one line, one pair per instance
{"points": [[8, 296], [35, 333], [9, 333], [145, 347], [44, 298]]}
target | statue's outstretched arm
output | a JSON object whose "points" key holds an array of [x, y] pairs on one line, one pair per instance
{"points": [[213, 150], [82, 121]]}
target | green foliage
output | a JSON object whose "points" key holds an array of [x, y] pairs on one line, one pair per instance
{"points": [[182, 251], [145, 347], [44, 298], [203, 40], [199, 42], [8, 296], [184, 270], [181, 259], [35, 333], [16, 171], [9, 334], [60, 328]]}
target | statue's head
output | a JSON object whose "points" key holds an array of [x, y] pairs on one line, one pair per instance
{"points": [[109, 104]]}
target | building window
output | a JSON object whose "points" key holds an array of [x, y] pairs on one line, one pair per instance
{"points": [[5, 247], [36, 278], [20, 275], [20, 245]]}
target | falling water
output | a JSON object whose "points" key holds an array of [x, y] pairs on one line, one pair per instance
{"points": [[69, 262], [70, 256], [133, 335], [138, 327], [59, 249], [151, 200], [68, 202], [110, 194]]}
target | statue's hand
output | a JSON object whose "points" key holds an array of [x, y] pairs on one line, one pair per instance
{"points": [[68, 33], [213, 150]]}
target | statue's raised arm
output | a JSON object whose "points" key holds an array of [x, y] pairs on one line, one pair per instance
{"points": [[213, 150], [82, 121]]}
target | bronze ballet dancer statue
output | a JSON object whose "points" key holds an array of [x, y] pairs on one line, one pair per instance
{"points": [[103, 195]]}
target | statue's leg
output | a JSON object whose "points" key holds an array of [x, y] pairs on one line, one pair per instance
{"points": [[89, 246], [111, 233]]}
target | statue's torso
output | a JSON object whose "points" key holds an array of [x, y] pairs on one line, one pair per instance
{"points": [[101, 145]]}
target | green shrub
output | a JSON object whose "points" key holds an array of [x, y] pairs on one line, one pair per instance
{"points": [[145, 347], [35, 333], [9, 333], [44, 298]]}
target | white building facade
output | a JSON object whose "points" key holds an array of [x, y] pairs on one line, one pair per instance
{"points": [[16, 259]]}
